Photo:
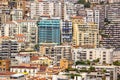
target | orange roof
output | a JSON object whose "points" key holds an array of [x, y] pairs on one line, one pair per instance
{"points": [[23, 64], [45, 57], [77, 17], [28, 67], [4, 37], [34, 58], [19, 35], [20, 41], [19, 21], [6, 73]]}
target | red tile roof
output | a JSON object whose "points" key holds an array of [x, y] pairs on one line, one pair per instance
{"points": [[19, 35], [23, 67], [34, 58], [6, 73], [77, 17], [4, 37]]}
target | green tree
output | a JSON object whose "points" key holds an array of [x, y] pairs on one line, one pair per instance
{"points": [[96, 60], [81, 2], [87, 4], [103, 70], [102, 2], [116, 63], [82, 62], [91, 69], [88, 62]]}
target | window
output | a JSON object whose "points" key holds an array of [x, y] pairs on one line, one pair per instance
{"points": [[0, 63]]}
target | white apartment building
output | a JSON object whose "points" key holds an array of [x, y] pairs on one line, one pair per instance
{"points": [[33, 9], [114, 1], [69, 10], [41, 8], [116, 55], [58, 52], [92, 16], [63, 10], [21, 30], [17, 14], [23, 58], [104, 55], [96, 1], [57, 9], [111, 71], [23, 69]]}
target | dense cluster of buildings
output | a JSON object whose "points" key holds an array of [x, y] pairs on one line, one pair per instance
{"points": [[59, 39]]}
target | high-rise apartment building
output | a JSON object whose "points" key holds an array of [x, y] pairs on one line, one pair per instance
{"points": [[69, 10], [62, 9], [8, 49], [66, 32], [22, 30], [85, 34], [96, 1], [58, 52], [41, 8], [16, 14], [111, 35], [113, 12], [111, 31], [104, 55], [92, 16], [49, 31], [57, 9], [4, 15], [114, 1], [99, 15]]}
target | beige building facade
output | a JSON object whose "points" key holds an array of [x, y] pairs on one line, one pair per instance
{"points": [[85, 34]]}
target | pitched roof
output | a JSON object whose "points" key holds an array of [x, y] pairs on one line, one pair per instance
{"points": [[77, 17], [6, 73], [34, 58], [23, 67]]}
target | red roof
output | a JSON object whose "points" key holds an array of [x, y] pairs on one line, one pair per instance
{"points": [[19, 35], [4, 37], [6, 73], [34, 58], [23, 67], [77, 17]]}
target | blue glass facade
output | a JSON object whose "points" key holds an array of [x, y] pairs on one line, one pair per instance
{"points": [[49, 31], [66, 34]]}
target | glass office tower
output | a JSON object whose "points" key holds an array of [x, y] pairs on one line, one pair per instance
{"points": [[49, 31]]}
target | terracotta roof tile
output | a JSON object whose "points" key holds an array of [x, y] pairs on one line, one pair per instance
{"points": [[77, 17], [6, 73], [34, 58], [23, 67], [19, 35], [4, 37]]}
